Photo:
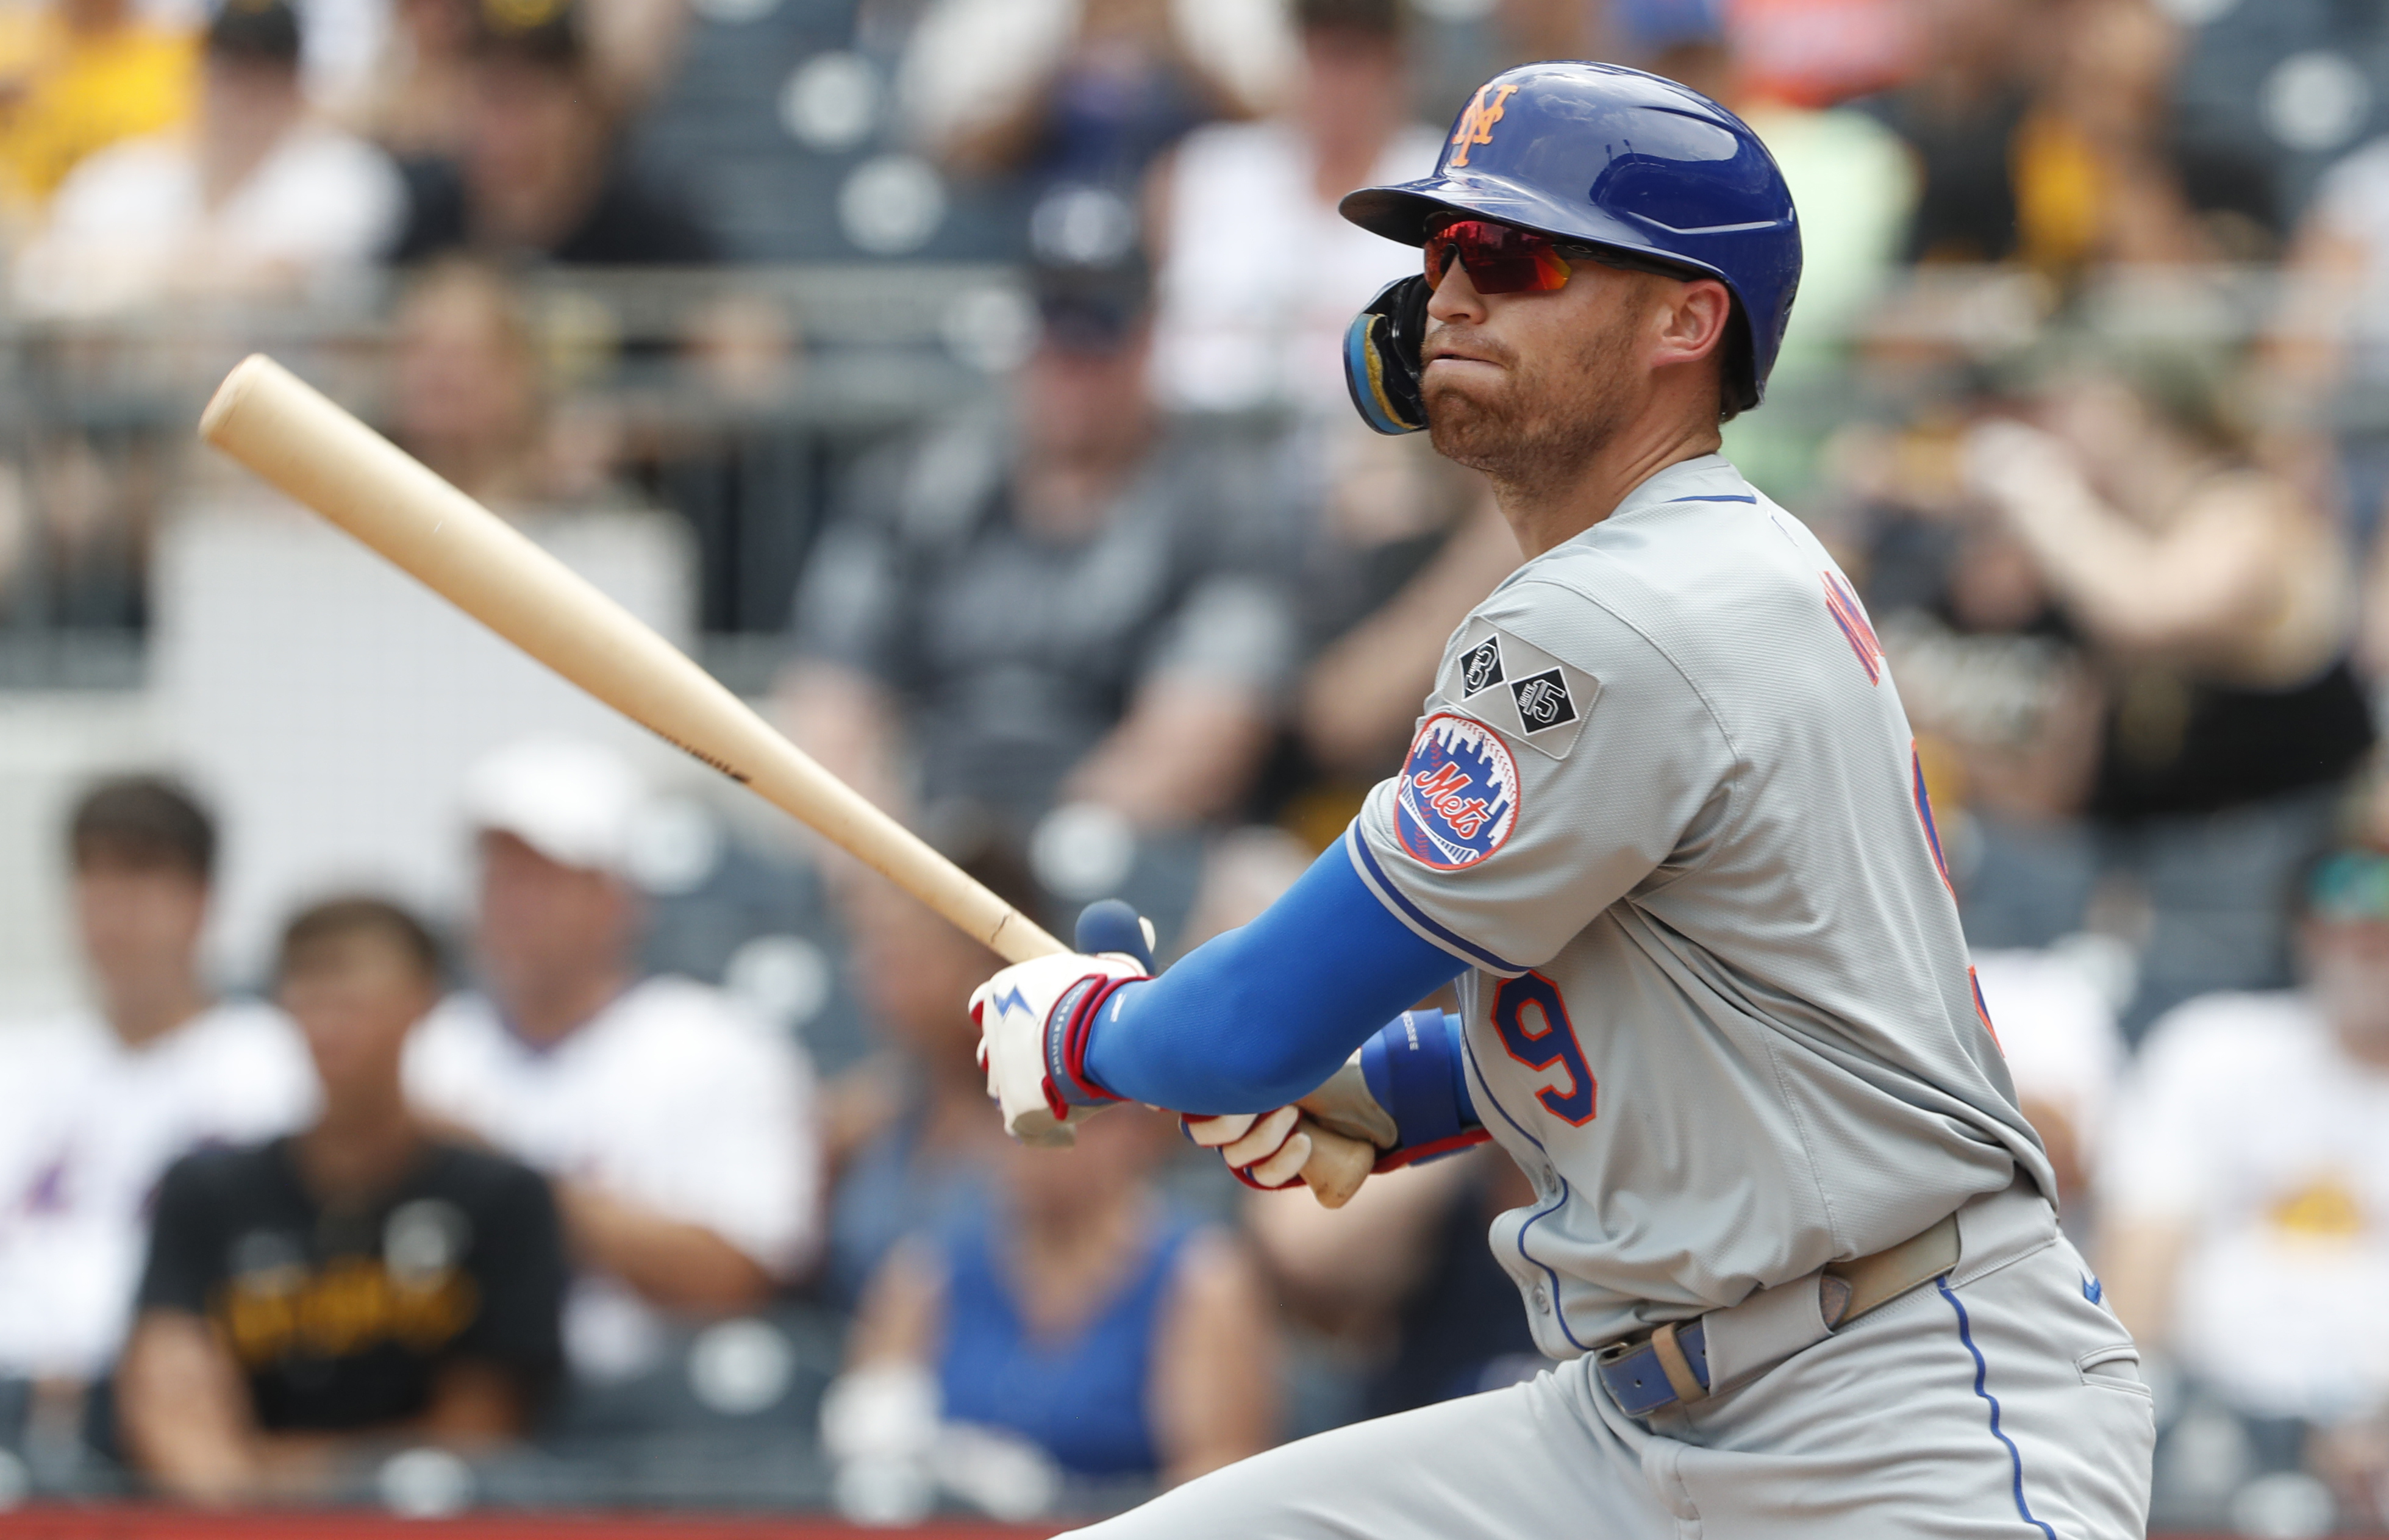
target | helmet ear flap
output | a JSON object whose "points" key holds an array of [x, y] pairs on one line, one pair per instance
{"points": [[1381, 357]]}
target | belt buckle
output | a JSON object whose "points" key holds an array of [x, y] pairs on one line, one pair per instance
{"points": [[1653, 1371]]}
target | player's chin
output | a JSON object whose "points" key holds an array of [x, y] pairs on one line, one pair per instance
{"points": [[1464, 427]]}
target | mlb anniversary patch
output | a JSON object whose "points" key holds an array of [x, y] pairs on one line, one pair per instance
{"points": [[1519, 688], [1458, 799]]}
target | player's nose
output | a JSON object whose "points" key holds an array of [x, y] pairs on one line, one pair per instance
{"points": [[1455, 300]]}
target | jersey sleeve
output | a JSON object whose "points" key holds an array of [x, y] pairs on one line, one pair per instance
{"points": [[1562, 762]]}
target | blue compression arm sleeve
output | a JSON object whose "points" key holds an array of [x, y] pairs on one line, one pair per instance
{"points": [[1259, 1016]]}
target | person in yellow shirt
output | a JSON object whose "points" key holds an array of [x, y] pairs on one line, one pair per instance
{"points": [[77, 76]]}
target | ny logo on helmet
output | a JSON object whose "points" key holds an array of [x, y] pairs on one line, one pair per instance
{"points": [[1475, 126]]}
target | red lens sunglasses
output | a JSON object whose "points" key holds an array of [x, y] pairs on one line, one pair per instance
{"points": [[1503, 258]]}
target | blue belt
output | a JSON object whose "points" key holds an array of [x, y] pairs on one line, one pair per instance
{"points": [[1645, 1376]]}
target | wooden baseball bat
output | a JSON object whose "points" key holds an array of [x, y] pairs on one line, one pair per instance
{"points": [[302, 443]]}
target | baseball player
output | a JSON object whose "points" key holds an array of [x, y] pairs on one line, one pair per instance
{"points": [[1662, 820]]}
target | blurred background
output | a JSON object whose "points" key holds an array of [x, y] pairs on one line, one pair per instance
{"points": [[958, 381]]}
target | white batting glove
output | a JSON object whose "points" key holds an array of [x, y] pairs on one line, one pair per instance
{"points": [[1033, 1019]]}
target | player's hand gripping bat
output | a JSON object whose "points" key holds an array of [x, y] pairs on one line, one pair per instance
{"points": [[300, 441]]}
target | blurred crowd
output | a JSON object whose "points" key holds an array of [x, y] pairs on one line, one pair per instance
{"points": [[523, 1199]]}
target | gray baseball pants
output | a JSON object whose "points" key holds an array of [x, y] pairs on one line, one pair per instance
{"points": [[2003, 1400]]}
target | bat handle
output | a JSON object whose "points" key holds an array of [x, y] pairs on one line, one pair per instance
{"points": [[1337, 1165]]}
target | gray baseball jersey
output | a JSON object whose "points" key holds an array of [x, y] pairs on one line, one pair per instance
{"points": [[1666, 803]]}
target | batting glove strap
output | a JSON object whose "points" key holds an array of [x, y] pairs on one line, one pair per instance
{"points": [[1068, 1027], [1419, 1154]]}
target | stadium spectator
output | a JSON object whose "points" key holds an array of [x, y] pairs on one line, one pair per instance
{"points": [[466, 396], [258, 197], [1083, 92], [2057, 1031], [2266, 100], [357, 1283], [2043, 134], [680, 1134], [1241, 326], [909, 1126], [100, 1102], [1403, 545], [1078, 1311], [1815, 53], [1959, 111], [2372, 647], [2246, 1176], [540, 173], [75, 77], [2215, 601], [415, 98], [1403, 1273], [2329, 355], [1852, 178], [931, 620], [1395, 557], [2006, 710]]}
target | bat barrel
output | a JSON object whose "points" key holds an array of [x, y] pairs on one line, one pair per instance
{"points": [[304, 444], [307, 447]]}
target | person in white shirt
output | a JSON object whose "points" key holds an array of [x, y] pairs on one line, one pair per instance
{"points": [[679, 1131], [2244, 1187], [258, 199], [97, 1104], [2065, 1054], [1260, 276]]}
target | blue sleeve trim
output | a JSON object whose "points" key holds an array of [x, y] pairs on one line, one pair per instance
{"points": [[1436, 931], [1262, 1015]]}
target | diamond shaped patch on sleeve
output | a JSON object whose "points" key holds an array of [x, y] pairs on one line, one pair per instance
{"points": [[1480, 668], [1543, 701], [1516, 688]]}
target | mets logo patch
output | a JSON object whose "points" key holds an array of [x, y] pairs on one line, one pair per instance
{"points": [[1458, 798]]}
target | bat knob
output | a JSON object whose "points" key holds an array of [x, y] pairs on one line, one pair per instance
{"points": [[1112, 925]]}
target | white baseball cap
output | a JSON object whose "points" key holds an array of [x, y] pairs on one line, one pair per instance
{"points": [[569, 799]]}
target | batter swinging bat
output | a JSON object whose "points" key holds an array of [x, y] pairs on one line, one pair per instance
{"points": [[299, 440]]}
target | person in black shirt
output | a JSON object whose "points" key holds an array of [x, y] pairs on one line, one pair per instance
{"points": [[938, 624], [541, 174], [2210, 599], [357, 1282]]}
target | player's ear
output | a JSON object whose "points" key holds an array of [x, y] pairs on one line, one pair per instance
{"points": [[1692, 317]]}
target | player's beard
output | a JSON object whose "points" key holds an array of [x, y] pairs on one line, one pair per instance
{"points": [[1537, 425]]}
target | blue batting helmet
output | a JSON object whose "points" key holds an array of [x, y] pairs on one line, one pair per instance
{"points": [[1604, 156]]}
